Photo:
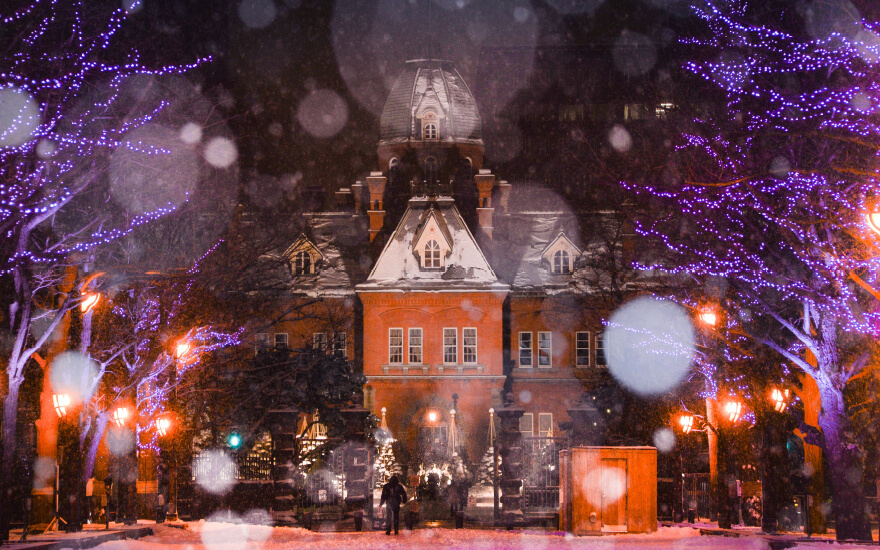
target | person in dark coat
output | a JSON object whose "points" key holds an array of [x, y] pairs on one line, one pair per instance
{"points": [[393, 494]]}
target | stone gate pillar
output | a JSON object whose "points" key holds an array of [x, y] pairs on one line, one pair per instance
{"points": [[510, 449]]}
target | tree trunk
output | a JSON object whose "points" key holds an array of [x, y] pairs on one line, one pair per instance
{"points": [[90, 452], [10, 420], [845, 464]]}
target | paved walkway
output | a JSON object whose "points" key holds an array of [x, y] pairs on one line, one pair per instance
{"points": [[91, 536]]}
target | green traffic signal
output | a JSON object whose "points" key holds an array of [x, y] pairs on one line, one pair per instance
{"points": [[234, 440]]}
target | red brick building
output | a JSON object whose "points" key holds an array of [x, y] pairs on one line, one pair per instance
{"points": [[470, 288]]}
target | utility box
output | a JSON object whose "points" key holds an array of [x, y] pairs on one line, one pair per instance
{"points": [[608, 490]]}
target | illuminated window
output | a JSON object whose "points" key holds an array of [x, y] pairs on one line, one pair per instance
{"points": [[415, 345], [395, 345], [545, 349], [525, 349], [469, 345], [450, 346], [430, 131], [561, 262], [432, 254]]}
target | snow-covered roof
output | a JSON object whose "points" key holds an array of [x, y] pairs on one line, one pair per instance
{"points": [[338, 237], [525, 237], [430, 84], [398, 267]]}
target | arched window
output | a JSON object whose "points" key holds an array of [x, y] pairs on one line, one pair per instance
{"points": [[561, 262], [430, 131], [432, 254], [302, 263], [393, 162]]}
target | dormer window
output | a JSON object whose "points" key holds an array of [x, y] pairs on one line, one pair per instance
{"points": [[430, 131], [304, 257], [561, 262], [432, 254], [430, 124], [559, 255], [302, 263], [432, 243]]}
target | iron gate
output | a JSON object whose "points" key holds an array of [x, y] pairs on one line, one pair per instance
{"points": [[541, 472], [695, 494]]}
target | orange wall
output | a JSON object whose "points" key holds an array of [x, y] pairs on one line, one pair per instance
{"points": [[409, 395]]}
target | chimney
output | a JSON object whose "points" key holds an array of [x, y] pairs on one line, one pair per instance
{"points": [[485, 182], [343, 200], [376, 183], [358, 191], [504, 196]]}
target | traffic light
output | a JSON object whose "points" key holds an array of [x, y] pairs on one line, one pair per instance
{"points": [[234, 441]]}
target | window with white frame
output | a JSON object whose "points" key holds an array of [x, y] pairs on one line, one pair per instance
{"points": [[545, 349], [415, 345], [561, 262], [469, 345], [432, 254], [450, 346], [302, 263], [430, 131], [600, 350], [545, 424], [340, 343], [395, 345], [281, 340], [525, 349], [319, 341], [527, 424], [582, 349]]}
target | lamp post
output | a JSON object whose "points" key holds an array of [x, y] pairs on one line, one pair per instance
{"points": [[61, 403]]}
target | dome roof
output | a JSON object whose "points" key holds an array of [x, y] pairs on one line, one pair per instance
{"points": [[430, 88]]}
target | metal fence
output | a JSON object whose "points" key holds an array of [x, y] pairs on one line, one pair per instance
{"points": [[219, 467], [695, 494], [541, 472]]}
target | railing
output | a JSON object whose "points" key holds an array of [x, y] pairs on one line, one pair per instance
{"points": [[247, 468], [541, 472]]}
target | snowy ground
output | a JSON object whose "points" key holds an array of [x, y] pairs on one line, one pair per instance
{"points": [[226, 536]]}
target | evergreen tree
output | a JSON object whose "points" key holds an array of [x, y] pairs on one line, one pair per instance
{"points": [[486, 473]]}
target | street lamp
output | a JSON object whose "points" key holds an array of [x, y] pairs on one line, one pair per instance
{"points": [[163, 426], [120, 415], [779, 399], [181, 349], [873, 219], [708, 317], [733, 410], [432, 416], [686, 421], [60, 401], [90, 302]]}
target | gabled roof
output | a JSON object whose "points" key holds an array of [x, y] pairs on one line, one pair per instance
{"points": [[427, 216], [398, 268], [303, 243], [565, 241]]}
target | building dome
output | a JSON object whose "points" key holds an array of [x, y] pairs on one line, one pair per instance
{"points": [[430, 102]]}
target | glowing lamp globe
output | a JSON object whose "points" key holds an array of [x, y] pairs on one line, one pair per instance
{"points": [[90, 302], [873, 220], [733, 410], [120, 415], [234, 441], [779, 398], [60, 401], [182, 349], [432, 416], [686, 421], [708, 317], [163, 426]]}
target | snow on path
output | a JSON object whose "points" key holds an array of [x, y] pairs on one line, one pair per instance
{"points": [[226, 536]]}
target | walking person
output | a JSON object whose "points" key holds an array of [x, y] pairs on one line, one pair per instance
{"points": [[393, 494]]}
